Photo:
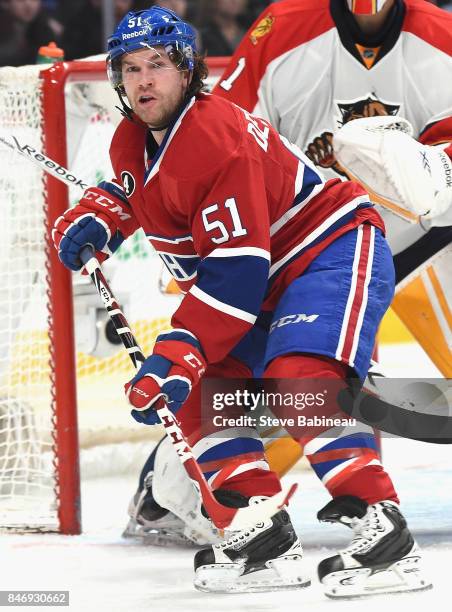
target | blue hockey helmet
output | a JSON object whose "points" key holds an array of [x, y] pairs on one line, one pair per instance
{"points": [[150, 28]]}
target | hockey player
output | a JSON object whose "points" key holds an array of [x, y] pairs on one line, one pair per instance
{"points": [[252, 232], [310, 67]]}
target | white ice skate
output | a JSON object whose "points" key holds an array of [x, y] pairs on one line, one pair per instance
{"points": [[266, 557], [382, 557]]}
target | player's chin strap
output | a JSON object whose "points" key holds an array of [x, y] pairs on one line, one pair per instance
{"points": [[125, 110]]}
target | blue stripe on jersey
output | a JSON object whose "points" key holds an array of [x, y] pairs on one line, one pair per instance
{"points": [[236, 281], [324, 467], [311, 177], [169, 134], [114, 190], [231, 448], [357, 440], [207, 475], [181, 268], [310, 180], [115, 242]]}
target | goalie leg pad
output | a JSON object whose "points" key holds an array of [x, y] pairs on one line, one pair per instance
{"points": [[166, 510], [173, 489], [166, 530], [423, 302]]}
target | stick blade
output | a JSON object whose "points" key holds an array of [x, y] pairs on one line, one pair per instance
{"points": [[245, 518]]}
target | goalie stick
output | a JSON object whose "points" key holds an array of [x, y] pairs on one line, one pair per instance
{"points": [[223, 516]]}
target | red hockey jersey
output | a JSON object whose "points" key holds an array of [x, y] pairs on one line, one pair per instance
{"points": [[233, 209]]}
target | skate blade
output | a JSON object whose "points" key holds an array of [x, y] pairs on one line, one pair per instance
{"points": [[280, 574], [404, 576]]}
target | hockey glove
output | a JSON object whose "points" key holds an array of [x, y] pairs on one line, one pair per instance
{"points": [[97, 220], [175, 366]]}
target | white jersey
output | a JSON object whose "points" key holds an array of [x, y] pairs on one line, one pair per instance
{"points": [[304, 67]]}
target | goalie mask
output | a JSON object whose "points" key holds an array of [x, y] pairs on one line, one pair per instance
{"points": [[365, 7], [148, 29]]}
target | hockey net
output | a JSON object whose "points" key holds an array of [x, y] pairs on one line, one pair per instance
{"points": [[54, 401]]}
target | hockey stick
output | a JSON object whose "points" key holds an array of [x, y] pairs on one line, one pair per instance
{"points": [[222, 516], [44, 163]]}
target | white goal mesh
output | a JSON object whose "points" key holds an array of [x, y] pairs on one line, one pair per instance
{"points": [[26, 458]]}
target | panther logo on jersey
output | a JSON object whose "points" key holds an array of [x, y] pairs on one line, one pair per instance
{"points": [[367, 107], [320, 149]]}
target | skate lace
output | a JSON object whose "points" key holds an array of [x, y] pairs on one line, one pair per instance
{"points": [[366, 529], [237, 537]]}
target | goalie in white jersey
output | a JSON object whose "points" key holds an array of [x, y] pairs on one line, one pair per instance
{"points": [[313, 66]]}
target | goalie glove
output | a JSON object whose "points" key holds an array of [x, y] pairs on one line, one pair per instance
{"points": [[175, 366], [409, 178], [97, 220]]}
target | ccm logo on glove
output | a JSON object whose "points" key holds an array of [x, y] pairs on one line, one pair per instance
{"points": [[96, 220], [140, 392], [194, 362], [102, 200]]}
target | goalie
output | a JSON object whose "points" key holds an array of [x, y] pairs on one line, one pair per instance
{"points": [[369, 66]]}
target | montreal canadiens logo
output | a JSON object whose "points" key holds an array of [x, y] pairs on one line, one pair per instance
{"points": [[128, 182]]}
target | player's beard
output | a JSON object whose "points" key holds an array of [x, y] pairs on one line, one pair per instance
{"points": [[162, 111]]}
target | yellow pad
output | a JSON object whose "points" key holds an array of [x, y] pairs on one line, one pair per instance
{"points": [[282, 454], [422, 306]]}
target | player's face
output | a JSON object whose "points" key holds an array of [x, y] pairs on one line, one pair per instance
{"points": [[154, 86]]}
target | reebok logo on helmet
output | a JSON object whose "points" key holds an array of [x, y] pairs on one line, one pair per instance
{"points": [[133, 34]]}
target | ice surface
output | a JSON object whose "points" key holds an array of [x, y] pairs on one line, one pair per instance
{"points": [[105, 573]]}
